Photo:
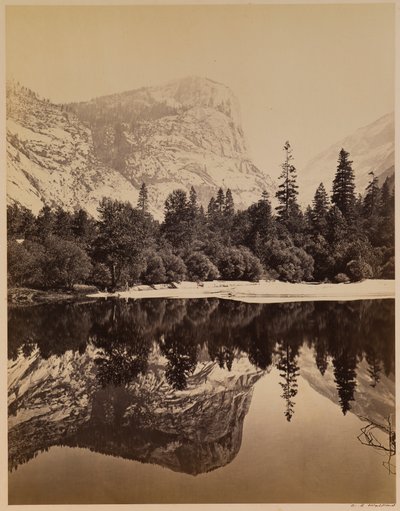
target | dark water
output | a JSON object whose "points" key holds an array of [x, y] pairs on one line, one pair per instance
{"points": [[156, 401]]}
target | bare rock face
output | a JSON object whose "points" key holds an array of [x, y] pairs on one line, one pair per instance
{"points": [[59, 401], [51, 159], [186, 133]]}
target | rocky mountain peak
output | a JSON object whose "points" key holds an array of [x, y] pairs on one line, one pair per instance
{"points": [[194, 91], [181, 134]]}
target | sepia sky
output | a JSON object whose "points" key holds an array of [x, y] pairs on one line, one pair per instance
{"points": [[308, 73]]}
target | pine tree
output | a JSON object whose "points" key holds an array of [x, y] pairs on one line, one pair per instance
{"points": [[288, 208], [63, 223], [83, 228], [178, 226], [229, 207], [193, 200], [319, 211], [44, 224], [220, 201], [260, 221], [371, 199], [20, 222], [211, 208], [368, 213], [308, 218], [143, 200], [343, 195], [197, 219], [217, 218], [386, 218], [193, 208], [336, 225], [228, 216], [386, 203]]}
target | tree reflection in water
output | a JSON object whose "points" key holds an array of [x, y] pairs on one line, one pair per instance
{"points": [[123, 348], [125, 333], [118, 390], [181, 354], [289, 372]]}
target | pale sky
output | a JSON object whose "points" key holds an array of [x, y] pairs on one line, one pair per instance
{"points": [[308, 73]]}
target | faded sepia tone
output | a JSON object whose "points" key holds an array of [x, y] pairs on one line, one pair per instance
{"points": [[200, 311], [281, 61]]}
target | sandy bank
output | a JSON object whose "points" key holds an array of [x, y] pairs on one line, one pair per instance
{"points": [[263, 291]]}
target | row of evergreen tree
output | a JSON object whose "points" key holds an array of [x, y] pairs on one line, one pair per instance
{"points": [[345, 238]]}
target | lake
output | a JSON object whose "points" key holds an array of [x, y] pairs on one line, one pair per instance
{"points": [[201, 401]]}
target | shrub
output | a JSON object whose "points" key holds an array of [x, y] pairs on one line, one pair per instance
{"points": [[25, 264], [291, 263], [231, 264], [254, 269], [239, 263], [132, 273], [388, 270], [56, 263], [66, 263], [341, 278], [358, 270], [100, 276], [175, 268], [154, 272], [200, 267], [318, 248]]}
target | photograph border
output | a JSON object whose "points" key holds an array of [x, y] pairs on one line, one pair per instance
{"points": [[3, 273]]}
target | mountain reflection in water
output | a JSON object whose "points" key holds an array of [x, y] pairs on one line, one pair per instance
{"points": [[170, 382]]}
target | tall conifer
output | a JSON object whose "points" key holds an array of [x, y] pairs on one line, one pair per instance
{"points": [[288, 208], [343, 195]]}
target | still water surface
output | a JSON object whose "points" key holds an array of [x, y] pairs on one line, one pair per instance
{"points": [[201, 401]]}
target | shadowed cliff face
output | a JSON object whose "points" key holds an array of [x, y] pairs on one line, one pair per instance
{"points": [[59, 401]]}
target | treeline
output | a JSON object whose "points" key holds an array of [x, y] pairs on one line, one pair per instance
{"points": [[344, 238]]}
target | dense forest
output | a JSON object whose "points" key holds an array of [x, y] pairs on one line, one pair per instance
{"points": [[338, 239]]}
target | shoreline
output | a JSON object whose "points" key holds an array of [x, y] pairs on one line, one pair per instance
{"points": [[262, 291], [29, 297]]}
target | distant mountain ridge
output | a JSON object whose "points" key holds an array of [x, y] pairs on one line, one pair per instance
{"points": [[371, 148], [182, 134]]}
